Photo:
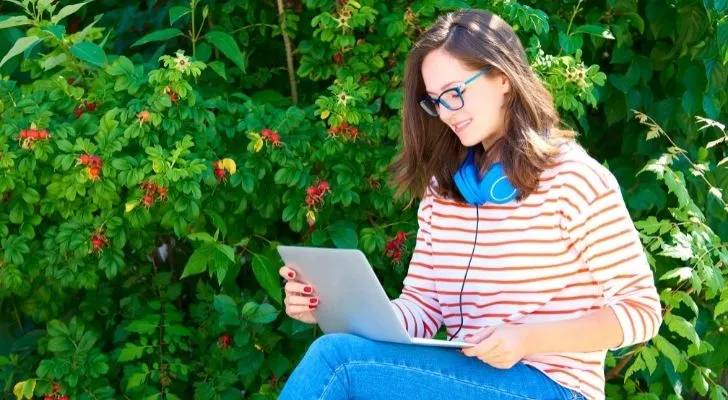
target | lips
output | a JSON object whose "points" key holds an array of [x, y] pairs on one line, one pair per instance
{"points": [[461, 125]]}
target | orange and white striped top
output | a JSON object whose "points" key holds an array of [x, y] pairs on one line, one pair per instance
{"points": [[567, 250]]}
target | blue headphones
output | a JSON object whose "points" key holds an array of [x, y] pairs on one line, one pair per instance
{"points": [[493, 188]]}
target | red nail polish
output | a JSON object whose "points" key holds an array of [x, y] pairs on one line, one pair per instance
{"points": [[313, 301], [307, 289], [311, 307], [290, 275]]}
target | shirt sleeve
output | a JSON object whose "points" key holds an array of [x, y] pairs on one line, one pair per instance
{"points": [[417, 307], [604, 234]]}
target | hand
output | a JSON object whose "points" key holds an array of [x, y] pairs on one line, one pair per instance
{"points": [[300, 298], [501, 346]]}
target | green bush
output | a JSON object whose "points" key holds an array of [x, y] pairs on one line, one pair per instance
{"points": [[153, 155]]}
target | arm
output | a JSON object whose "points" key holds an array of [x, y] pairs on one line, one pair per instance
{"points": [[602, 231], [418, 309], [607, 240]]}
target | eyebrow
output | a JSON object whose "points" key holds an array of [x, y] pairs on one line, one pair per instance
{"points": [[444, 86]]}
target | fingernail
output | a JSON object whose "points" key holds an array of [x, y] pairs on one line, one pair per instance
{"points": [[313, 301], [307, 289], [311, 307], [290, 275]]}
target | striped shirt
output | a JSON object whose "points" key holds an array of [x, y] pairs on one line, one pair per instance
{"points": [[567, 250]]}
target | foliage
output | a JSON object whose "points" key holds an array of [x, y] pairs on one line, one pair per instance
{"points": [[152, 158]]}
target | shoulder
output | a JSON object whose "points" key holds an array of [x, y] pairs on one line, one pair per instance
{"points": [[577, 174]]}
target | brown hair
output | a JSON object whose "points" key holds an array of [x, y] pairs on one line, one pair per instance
{"points": [[530, 143]]}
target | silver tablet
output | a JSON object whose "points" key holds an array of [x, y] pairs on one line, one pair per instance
{"points": [[351, 299]]}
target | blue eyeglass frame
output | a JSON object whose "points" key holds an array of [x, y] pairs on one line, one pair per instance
{"points": [[458, 92]]}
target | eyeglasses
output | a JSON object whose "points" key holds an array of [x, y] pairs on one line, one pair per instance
{"points": [[452, 98]]}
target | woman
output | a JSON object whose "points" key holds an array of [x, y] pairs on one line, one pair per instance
{"points": [[539, 264]]}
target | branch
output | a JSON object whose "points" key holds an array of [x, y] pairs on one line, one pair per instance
{"points": [[289, 53]]}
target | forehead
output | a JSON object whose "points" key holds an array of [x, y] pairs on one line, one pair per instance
{"points": [[440, 67]]}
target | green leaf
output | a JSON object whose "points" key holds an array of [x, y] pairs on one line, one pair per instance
{"points": [[344, 235], [197, 263], [177, 12], [260, 314], [700, 384], [669, 350], [15, 20], [201, 236], [136, 380], [89, 52], [219, 68], [130, 352], [595, 30], [225, 305], [156, 36], [267, 275], [682, 327], [19, 47], [227, 45], [149, 324], [59, 344], [68, 10], [24, 389], [720, 308]]}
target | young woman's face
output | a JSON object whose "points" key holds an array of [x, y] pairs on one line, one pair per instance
{"points": [[481, 118]]}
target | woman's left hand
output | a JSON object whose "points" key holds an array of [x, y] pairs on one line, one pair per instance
{"points": [[501, 347]]}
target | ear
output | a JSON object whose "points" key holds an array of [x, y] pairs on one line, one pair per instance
{"points": [[505, 84]]}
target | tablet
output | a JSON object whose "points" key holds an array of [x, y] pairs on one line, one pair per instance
{"points": [[351, 298]]}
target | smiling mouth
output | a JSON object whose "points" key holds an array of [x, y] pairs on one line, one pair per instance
{"points": [[461, 125]]}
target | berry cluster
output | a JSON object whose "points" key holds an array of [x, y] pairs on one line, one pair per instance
{"points": [[93, 164], [89, 106], [351, 132], [56, 395], [98, 241], [338, 58], [144, 116], [224, 341], [315, 194], [151, 190], [30, 136], [394, 246], [273, 137], [172, 94], [221, 168]]}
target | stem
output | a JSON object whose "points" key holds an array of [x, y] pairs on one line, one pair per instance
{"points": [[576, 10], [17, 318], [192, 32], [289, 52], [253, 26]]}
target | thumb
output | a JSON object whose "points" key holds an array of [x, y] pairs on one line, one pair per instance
{"points": [[480, 335]]}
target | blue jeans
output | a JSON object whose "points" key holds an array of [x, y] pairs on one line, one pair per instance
{"points": [[343, 366]]}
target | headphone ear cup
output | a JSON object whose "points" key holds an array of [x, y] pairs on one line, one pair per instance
{"points": [[466, 181], [496, 187]]}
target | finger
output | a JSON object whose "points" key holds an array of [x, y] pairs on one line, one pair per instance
{"points": [[483, 349], [294, 310], [480, 335], [301, 301], [297, 287], [288, 272]]}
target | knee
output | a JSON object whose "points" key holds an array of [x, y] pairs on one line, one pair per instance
{"points": [[334, 348]]}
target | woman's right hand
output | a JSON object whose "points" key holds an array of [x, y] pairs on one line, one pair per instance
{"points": [[300, 299]]}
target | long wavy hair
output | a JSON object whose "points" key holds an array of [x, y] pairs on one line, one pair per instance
{"points": [[430, 150]]}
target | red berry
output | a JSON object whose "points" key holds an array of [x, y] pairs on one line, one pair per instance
{"points": [[71, 80], [90, 106], [310, 200], [43, 134], [266, 132], [84, 159], [94, 161], [224, 340], [162, 192], [94, 172], [338, 58], [33, 134], [47, 397], [401, 236], [56, 387], [217, 165], [353, 132], [23, 133], [148, 200], [311, 191], [64, 397], [275, 138], [323, 186], [78, 111], [220, 174]]}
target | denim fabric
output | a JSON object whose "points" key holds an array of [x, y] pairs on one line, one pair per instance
{"points": [[343, 366]]}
